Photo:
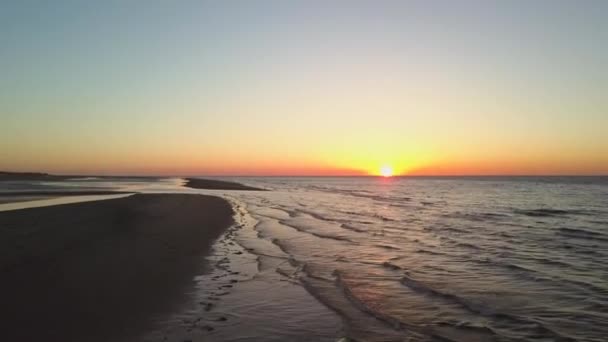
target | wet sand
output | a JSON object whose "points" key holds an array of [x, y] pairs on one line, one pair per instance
{"points": [[102, 271], [26, 196], [214, 184], [58, 193], [19, 198]]}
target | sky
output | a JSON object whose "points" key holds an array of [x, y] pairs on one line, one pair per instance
{"points": [[304, 87]]}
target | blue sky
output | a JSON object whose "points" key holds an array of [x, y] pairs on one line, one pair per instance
{"points": [[261, 86]]}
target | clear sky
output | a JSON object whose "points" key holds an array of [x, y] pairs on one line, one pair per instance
{"points": [[304, 87]]}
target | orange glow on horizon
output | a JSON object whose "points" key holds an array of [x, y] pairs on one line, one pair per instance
{"points": [[368, 157]]}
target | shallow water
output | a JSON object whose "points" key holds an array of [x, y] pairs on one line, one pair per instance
{"points": [[463, 259], [249, 295], [419, 259]]}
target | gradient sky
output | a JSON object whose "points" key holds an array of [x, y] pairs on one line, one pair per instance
{"points": [[309, 87]]}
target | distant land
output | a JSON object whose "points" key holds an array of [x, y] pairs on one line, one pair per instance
{"points": [[195, 183], [213, 184], [5, 175]]}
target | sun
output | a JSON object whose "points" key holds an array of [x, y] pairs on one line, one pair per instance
{"points": [[386, 171]]}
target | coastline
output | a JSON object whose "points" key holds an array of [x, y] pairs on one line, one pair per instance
{"points": [[103, 270]]}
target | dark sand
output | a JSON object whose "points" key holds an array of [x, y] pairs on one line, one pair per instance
{"points": [[213, 184], [104, 270]]}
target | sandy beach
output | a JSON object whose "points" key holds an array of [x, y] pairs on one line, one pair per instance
{"points": [[104, 270]]}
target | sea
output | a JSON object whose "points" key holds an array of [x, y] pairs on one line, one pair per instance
{"points": [[398, 259]]}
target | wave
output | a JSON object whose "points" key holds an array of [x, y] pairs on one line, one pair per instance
{"points": [[363, 194], [584, 250], [432, 332], [317, 234], [359, 318], [375, 197], [582, 234], [291, 213], [381, 217], [531, 326], [426, 251], [387, 246], [548, 212], [553, 280], [513, 267], [302, 230], [477, 217], [604, 223], [522, 271], [361, 305], [346, 224], [459, 243], [353, 228], [552, 262], [391, 266], [466, 245], [447, 228]]}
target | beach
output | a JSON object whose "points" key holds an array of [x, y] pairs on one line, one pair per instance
{"points": [[304, 171], [310, 259], [103, 270]]}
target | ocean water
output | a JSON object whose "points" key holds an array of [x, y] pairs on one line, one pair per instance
{"points": [[403, 259], [458, 259]]}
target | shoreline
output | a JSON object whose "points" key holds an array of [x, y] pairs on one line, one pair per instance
{"points": [[253, 286], [103, 270]]}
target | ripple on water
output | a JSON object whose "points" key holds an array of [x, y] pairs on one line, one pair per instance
{"points": [[456, 259]]}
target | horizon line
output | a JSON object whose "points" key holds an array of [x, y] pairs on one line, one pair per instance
{"points": [[304, 175]]}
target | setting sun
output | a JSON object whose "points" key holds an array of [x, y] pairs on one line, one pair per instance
{"points": [[386, 171]]}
